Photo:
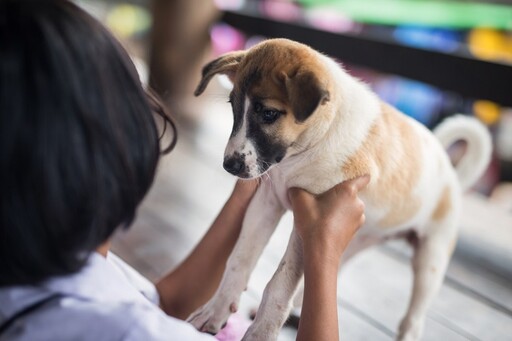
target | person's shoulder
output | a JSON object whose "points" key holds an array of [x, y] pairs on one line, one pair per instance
{"points": [[72, 319], [87, 320]]}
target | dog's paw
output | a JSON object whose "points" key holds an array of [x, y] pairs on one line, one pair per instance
{"points": [[407, 337], [253, 335], [212, 316], [259, 332], [410, 330]]}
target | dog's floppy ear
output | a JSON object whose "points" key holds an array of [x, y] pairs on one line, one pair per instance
{"points": [[226, 65], [305, 93]]}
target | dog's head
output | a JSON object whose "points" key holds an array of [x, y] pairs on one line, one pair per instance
{"points": [[277, 87]]}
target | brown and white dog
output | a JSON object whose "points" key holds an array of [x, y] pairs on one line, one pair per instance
{"points": [[303, 121]]}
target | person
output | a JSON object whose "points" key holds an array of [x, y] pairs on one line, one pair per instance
{"points": [[80, 143]]}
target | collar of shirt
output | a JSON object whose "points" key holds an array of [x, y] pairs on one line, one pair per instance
{"points": [[98, 281]]}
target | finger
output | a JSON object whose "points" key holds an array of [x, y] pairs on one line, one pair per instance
{"points": [[362, 220], [248, 182], [245, 188], [359, 183], [298, 196]]}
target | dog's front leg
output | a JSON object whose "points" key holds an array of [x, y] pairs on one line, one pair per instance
{"points": [[263, 214], [277, 298]]}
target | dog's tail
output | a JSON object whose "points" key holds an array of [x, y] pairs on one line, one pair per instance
{"points": [[479, 146]]}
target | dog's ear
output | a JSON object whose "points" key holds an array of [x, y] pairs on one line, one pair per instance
{"points": [[226, 65], [305, 94]]}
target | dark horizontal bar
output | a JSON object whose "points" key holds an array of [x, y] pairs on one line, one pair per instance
{"points": [[466, 76]]}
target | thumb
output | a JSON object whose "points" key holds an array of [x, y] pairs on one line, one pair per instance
{"points": [[298, 196], [360, 182]]}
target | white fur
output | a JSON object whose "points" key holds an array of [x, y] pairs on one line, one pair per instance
{"points": [[352, 110], [240, 144], [476, 135]]}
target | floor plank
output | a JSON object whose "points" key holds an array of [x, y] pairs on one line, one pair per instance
{"points": [[380, 285]]}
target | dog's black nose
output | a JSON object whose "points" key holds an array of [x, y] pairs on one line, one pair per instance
{"points": [[234, 165]]}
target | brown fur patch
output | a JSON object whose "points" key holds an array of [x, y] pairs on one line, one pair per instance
{"points": [[279, 59], [444, 205], [390, 154]]}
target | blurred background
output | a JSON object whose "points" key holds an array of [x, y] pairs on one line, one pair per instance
{"points": [[429, 58]]}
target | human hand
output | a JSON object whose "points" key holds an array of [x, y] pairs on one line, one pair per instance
{"points": [[327, 222], [244, 191]]}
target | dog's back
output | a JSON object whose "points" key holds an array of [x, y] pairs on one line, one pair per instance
{"points": [[413, 180]]}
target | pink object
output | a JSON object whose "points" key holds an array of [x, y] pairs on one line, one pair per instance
{"points": [[235, 328], [283, 10], [226, 39]]}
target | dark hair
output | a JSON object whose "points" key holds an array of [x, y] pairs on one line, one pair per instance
{"points": [[79, 140]]}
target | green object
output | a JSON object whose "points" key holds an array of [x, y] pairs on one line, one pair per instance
{"points": [[434, 13], [126, 19]]}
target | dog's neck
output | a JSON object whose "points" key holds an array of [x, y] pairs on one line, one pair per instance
{"points": [[332, 140], [356, 109]]}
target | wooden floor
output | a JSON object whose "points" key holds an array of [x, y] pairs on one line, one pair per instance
{"points": [[475, 302]]}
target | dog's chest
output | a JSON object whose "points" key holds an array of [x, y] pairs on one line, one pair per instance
{"points": [[308, 176]]}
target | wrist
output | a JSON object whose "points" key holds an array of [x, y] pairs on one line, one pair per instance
{"points": [[322, 253]]}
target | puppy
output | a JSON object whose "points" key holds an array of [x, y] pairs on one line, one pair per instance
{"points": [[303, 121]]}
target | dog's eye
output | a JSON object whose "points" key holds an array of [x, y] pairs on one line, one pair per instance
{"points": [[270, 116]]}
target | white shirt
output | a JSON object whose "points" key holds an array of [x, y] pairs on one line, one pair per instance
{"points": [[106, 300]]}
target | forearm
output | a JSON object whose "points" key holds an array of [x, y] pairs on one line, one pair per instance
{"points": [[195, 280], [319, 316], [326, 223]]}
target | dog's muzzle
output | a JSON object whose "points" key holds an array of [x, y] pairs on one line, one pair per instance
{"points": [[235, 165]]}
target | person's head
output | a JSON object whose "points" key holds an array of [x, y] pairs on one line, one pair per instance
{"points": [[79, 141]]}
